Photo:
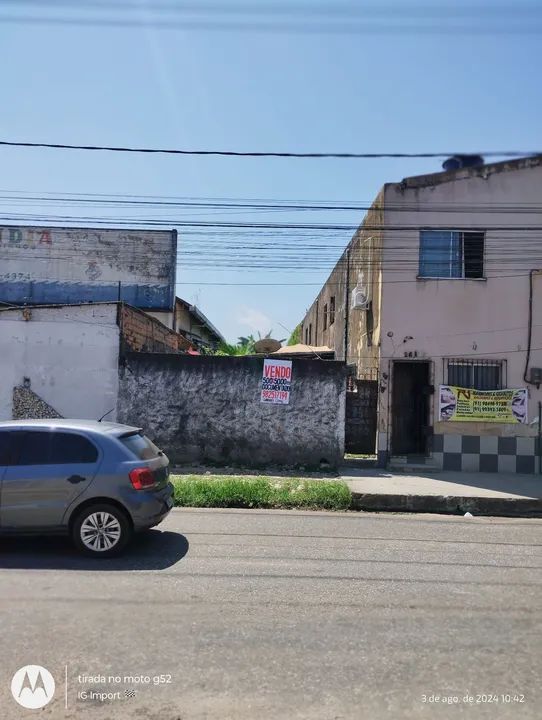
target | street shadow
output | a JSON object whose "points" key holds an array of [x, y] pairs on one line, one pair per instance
{"points": [[448, 482], [150, 550], [507, 483]]}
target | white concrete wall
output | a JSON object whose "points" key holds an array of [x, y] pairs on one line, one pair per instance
{"points": [[165, 317], [465, 318], [70, 354]]}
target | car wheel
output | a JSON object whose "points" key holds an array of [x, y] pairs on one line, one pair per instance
{"points": [[101, 530]]}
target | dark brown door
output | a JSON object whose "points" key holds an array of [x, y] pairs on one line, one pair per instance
{"points": [[410, 408]]}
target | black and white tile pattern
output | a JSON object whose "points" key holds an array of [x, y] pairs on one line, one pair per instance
{"points": [[485, 453]]}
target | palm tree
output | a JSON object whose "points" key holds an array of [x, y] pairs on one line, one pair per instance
{"points": [[244, 345]]}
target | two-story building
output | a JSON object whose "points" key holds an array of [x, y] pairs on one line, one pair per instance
{"points": [[435, 302]]}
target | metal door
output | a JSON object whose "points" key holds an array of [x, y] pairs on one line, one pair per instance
{"points": [[361, 412], [410, 408]]}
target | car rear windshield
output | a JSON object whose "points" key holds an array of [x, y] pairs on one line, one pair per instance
{"points": [[140, 446]]}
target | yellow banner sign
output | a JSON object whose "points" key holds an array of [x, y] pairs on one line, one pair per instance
{"points": [[468, 405]]}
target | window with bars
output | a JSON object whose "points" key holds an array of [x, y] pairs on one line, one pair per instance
{"points": [[476, 374], [451, 254]]}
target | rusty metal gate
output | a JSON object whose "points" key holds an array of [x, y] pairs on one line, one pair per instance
{"points": [[361, 411]]}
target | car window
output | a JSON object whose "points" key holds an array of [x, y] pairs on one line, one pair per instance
{"points": [[71, 448], [55, 448], [5, 447], [34, 448], [140, 446]]}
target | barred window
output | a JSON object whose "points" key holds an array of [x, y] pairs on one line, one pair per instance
{"points": [[476, 374], [451, 254]]}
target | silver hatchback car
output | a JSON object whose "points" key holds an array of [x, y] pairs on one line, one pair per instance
{"points": [[97, 481]]}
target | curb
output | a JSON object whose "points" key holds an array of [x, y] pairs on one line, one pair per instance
{"points": [[447, 504]]}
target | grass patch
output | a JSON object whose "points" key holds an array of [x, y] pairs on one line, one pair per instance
{"points": [[260, 492]]}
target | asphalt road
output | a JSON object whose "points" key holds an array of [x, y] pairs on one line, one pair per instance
{"points": [[257, 615]]}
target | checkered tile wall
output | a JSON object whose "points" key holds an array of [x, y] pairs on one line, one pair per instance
{"points": [[485, 453]]}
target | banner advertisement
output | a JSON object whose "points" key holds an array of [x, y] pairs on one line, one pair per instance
{"points": [[276, 381], [468, 405]]}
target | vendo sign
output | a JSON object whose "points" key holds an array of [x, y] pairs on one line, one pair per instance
{"points": [[276, 381]]}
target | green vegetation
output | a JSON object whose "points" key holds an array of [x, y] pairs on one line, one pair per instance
{"points": [[244, 345], [295, 337], [260, 492]]}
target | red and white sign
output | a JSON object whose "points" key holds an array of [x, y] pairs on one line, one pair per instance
{"points": [[276, 381]]}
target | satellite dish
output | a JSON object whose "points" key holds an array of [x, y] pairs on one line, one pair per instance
{"points": [[267, 345]]}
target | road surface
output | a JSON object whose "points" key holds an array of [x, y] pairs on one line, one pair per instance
{"points": [[248, 615]]}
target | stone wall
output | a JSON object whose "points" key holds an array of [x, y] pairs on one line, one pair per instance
{"points": [[26, 404], [208, 409]]}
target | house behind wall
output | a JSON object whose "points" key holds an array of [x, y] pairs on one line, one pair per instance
{"points": [[192, 323]]}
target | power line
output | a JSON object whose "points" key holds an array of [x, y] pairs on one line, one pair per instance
{"points": [[365, 226], [235, 153], [233, 202], [265, 205]]}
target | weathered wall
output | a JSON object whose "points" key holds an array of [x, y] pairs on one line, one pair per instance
{"points": [[52, 265], [484, 318], [188, 321], [208, 409], [69, 354], [361, 261], [142, 332]]}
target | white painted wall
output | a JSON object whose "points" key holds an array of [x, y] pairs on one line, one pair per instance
{"points": [[70, 354], [465, 318]]}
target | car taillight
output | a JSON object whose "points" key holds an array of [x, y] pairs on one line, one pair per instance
{"points": [[142, 478]]}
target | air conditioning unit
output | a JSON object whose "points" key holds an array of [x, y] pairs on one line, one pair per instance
{"points": [[360, 297], [536, 376]]}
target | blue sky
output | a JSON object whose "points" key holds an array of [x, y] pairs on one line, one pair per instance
{"points": [[255, 91]]}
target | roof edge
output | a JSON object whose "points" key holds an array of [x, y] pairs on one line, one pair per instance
{"points": [[482, 171]]}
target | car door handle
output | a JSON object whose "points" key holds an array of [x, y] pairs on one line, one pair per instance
{"points": [[76, 479]]}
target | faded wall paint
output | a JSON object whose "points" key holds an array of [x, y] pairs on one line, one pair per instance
{"points": [[464, 318], [360, 262], [434, 319], [70, 355], [208, 408], [71, 265]]}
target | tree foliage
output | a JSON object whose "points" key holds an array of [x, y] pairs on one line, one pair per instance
{"points": [[244, 345], [295, 337]]}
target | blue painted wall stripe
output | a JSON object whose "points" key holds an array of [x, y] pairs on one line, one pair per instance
{"points": [[53, 293]]}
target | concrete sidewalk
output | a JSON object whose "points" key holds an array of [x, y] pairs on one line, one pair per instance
{"points": [[511, 495]]}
